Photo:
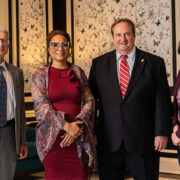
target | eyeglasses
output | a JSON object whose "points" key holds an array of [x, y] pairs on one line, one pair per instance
{"points": [[4, 41], [55, 45]]}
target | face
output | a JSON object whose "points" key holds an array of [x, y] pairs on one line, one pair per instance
{"points": [[123, 38], [59, 48], [4, 45]]}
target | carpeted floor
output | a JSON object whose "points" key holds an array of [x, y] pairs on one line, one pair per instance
{"points": [[40, 176]]}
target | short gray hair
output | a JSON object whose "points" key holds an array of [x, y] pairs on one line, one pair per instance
{"points": [[2, 29]]}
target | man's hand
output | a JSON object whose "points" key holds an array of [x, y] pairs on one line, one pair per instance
{"points": [[160, 142], [23, 151]]}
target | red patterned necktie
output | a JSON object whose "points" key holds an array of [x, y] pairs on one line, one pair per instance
{"points": [[124, 75]]}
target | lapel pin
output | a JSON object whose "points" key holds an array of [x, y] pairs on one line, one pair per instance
{"points": [[142, 60]]}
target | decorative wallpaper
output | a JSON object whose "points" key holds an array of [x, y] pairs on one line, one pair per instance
{"points": [[32, 39], [4, 21], [93, 19]]}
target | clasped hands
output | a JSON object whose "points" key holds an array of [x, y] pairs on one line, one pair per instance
{"points": [[73, 131]]}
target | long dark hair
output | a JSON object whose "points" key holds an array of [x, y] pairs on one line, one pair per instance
{"points": [[179, 48]]}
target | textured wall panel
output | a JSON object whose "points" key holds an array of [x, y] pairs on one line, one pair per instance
{"points": [[32, 37], [93, 19]]}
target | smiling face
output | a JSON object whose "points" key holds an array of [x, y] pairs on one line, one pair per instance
{"points": [[59, 48], [123, 38], [4, 45]]}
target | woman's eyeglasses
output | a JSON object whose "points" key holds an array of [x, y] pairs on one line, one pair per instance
{"points": [[55, 45]]}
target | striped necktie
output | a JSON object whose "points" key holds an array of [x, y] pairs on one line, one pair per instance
{"points": [[124, 75], [3, 98]]}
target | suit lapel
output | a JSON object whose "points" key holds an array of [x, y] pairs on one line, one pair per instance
{"points": [[13, 76], [11, 71], [136, 72], [112, 70]]}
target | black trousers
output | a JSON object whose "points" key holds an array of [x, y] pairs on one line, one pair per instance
{"points": [[142, 167], [178, 153]]}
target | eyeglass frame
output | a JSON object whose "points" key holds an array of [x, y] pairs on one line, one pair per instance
{"points": [[4, 41], [62, 45]]}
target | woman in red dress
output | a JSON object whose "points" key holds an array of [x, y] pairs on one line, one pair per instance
{"points": [[64, 108]]}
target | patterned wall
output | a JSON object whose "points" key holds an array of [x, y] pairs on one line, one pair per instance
{"points": [[32, 39], [4, 19], [93, 19], [92, 22]]}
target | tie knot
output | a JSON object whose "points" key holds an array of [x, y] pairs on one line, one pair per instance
{"points": [[124, 57]]}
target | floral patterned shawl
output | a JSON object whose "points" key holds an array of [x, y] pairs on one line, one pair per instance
{"points": [[51, 121]]}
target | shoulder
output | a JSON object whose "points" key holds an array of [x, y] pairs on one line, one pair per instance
{"points": [[43, 71], [77, 69], [79, 72], [149, 56], [14, 71], [104, 57], [12, 67]]}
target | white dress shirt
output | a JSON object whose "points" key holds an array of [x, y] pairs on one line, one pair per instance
{"points": [[11, 102], [130, 61]]}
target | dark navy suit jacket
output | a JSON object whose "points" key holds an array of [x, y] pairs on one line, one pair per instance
{"points": [[143, 113]]}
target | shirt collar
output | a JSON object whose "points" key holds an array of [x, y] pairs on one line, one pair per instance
{"points": [[3, 64], [131, 55]]}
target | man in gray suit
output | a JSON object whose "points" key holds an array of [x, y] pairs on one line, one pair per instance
{"points": [[12, 113]]}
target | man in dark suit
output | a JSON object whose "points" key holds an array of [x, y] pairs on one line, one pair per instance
{"points": [[12, 113], [132, 96]]}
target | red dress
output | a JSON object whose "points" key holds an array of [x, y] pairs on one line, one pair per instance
{"points": [[65, 95]]}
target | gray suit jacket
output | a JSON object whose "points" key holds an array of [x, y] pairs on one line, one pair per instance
{"points": [[20, 120]]}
